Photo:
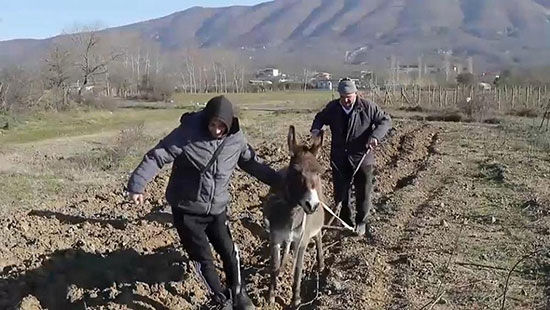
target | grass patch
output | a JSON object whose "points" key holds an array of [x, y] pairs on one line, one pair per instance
{"points": [[522, 130], [130, 142], [415, 108], [448, 116], [67, 124], [22, 191], [297, 99], [524, 112], [48, 125], [494, 171], [48, 178]]}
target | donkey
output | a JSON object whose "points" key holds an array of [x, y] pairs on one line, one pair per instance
{"points": [[294, 213]]}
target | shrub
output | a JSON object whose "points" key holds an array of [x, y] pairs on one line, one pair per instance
{"points": [[100, 102], [479, 108], [524, 112]]}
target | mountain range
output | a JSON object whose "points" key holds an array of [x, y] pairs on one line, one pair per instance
{"points": [[495, 33]]}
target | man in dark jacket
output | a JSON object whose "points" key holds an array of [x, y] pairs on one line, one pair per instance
{"points": [[205, 149], [357, 127]]}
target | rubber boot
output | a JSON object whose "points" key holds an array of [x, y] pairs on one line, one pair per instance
{"points": [[241, 301], [223, 301]]}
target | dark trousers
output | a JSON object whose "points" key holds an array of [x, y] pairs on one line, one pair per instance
{"points": [[197, 232], [363, 183]]}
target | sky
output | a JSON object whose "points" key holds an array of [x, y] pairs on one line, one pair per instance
{"points": [[38, 19]]}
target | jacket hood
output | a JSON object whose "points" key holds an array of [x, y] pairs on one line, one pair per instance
{"points": [[221, 108]]}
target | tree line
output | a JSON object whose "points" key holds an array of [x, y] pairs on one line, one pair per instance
{"points": [[86, 65]]}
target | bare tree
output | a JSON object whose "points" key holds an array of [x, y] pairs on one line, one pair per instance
{"points": [[215, 72], [58, 67], [190, 66], [92, 61], [19, 89], [236, 76], [4, 88]]}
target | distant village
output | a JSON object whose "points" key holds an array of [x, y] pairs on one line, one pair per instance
{"points": [[396, 76]]}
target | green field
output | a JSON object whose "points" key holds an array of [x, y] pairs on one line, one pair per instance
{"points": [[41, 126]]}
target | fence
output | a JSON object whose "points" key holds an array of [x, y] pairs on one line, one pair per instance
{"points": [[504, 98]]}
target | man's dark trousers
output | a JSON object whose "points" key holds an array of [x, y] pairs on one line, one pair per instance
{"points": [[363, 183], [197, 232]]}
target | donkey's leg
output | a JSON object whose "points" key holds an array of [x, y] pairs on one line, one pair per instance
{"points": [[275, 267], [296, 299], [319, 246], [286, 251]]}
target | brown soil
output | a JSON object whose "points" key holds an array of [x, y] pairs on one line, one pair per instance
{"points": [[456, 206]]}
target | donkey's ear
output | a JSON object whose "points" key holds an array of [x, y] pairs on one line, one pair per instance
{"points": [[291, 140], [317, 142]]}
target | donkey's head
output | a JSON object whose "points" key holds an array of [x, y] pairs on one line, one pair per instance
{"points": [[304, 173]]}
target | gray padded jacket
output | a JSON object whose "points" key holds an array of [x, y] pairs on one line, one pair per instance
{"points": [[190, 147]]}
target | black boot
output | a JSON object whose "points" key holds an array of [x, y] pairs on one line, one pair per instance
{"points": [[361, 229], [241, 301], [223, 301]]}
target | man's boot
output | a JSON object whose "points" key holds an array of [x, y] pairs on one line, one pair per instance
{"points": [[363, 229], [241, 301], [223, 301]]}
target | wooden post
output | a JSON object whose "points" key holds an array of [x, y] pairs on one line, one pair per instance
{"points": [[527, 91], [439, 97], [539, 97], [513, 97], [545, 116], [506, 94], [433, 95], [457, 89], [446, 97], [429, 95], [498, 98], [388, 94], [403, 94]]}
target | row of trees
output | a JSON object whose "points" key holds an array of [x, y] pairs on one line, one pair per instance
{"points": [[86, 64]]}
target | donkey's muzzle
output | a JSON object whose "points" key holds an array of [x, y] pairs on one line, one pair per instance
{"points": [[310, 207]]}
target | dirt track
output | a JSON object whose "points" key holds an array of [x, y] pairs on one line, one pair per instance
{"points": [[456, 206]]}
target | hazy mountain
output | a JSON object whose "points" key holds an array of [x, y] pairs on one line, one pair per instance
{"points": [[494, 32]]}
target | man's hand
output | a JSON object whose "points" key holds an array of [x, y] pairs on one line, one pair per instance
{"points": [[372, 143], [137, 198]]}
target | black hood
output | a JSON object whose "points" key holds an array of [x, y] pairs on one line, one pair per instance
{"points": [[221, 108]]}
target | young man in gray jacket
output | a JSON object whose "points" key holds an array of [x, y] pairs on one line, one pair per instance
{"points": [[205, 150], [356, 126]]}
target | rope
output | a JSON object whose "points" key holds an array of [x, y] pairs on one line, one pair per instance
{"points": [[336, 217], [348, 187]]}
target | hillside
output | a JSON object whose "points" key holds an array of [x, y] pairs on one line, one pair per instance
{"points": [[494, 32]]}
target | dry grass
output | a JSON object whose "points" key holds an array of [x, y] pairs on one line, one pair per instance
{"points": [[101, 102], [479, 108], [525, 112], [448, 116], [415, 108], [129, 142]]}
